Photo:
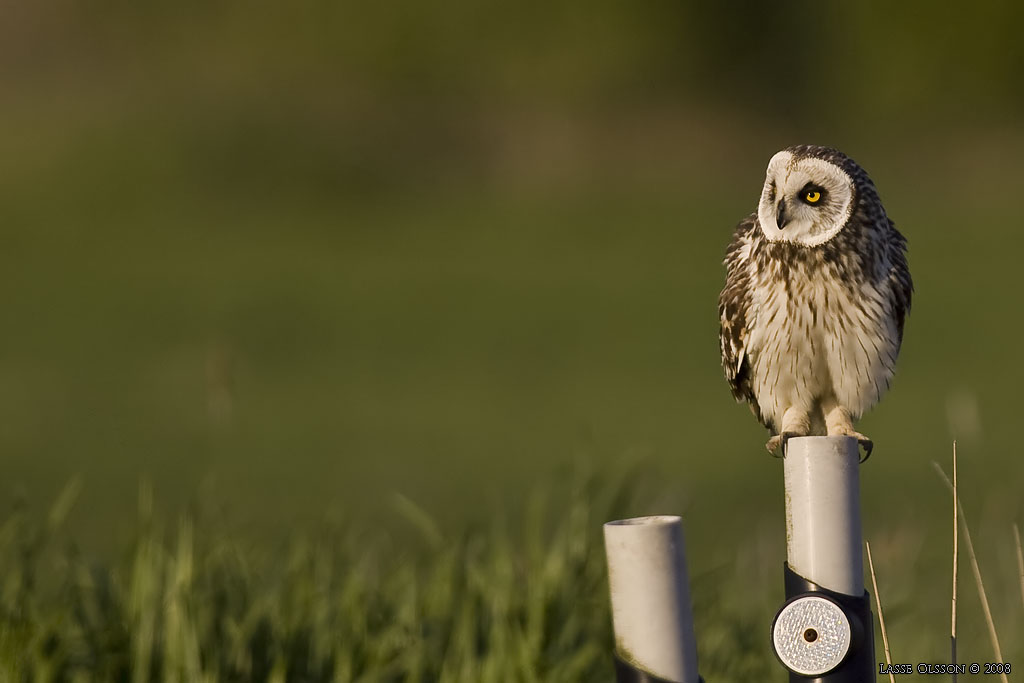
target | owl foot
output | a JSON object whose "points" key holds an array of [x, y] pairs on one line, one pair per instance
{"points": [[867, 444], [777, 444], [839, 422]]}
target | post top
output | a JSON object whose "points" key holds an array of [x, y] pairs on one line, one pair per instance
{"points": [[652, 520], [811, 439]]}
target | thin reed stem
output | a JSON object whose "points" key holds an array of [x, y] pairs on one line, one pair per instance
{"points": [[1020, 560], [881, 618], [977, 572], [956, 566]]}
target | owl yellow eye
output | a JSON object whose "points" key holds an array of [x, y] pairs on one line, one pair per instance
{"points": [[812, 197]]}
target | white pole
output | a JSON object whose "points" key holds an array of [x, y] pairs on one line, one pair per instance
{"points": [[650, 593], [823, 532]]}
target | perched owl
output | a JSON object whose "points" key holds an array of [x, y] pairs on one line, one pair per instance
{"points": [[816, 293]]}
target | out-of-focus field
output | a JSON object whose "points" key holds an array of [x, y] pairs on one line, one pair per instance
{"points": [[287, 271]]}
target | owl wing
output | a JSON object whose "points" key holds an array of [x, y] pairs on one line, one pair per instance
{"points": [[901, 287], [734, 310]]}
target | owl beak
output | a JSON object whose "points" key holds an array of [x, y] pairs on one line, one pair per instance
{"points": [[780, 214]]}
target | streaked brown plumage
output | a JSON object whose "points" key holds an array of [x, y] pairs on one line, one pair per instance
{"points": [[817, 291]]}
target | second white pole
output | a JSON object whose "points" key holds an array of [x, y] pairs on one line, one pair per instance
{"points": [[650, 593]]}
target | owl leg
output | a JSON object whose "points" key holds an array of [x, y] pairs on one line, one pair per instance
{"points": [[796, 421], [839, 422]]}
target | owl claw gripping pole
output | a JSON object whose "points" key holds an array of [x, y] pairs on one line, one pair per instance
{"points": [[824, 632]]}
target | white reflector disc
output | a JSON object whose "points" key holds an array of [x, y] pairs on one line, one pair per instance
{"points": [[811, 635]]}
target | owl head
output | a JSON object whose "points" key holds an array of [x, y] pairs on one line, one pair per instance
{"points": [[809, 195]]}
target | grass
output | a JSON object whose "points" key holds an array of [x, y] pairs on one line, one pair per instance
{"points": [[336, 605], [982, 595], [510, 600]]}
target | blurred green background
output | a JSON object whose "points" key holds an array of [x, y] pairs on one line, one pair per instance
{"points": [[310, 255]]}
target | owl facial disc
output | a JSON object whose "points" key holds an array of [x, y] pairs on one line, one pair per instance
{"points": [[805, 200]]}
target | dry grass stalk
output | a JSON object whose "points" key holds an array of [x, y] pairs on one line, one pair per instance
{"points": [[977, 573], [956, 565], [1020, 560], [881, 618]]}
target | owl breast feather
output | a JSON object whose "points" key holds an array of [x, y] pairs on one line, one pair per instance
{"points": [[801, 325]]}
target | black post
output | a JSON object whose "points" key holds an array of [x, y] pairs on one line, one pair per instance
{"points": [[811, 640]]}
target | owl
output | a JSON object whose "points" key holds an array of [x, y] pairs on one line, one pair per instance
{"points": [[816, 294]]}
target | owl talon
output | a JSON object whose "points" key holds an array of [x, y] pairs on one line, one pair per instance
{"points": [[867, 444], [777, 444]]}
